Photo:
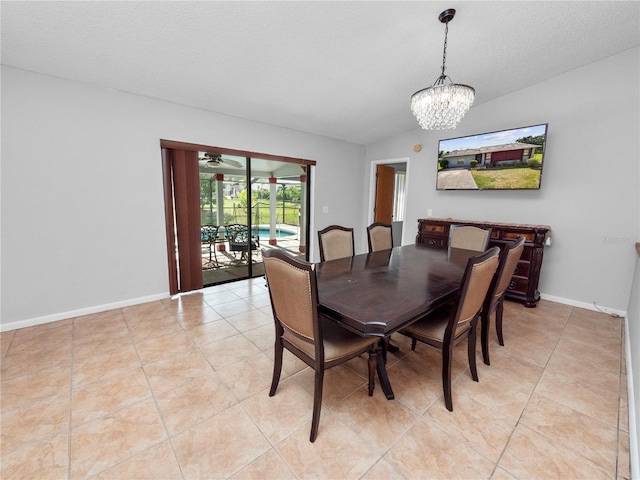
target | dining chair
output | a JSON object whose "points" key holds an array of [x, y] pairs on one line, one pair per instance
{"points": [[336, 242], [379, 237], [468, 237], [318, 341], [509, 258], [449, 325]]}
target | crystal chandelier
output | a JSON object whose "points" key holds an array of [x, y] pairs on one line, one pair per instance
{"points": [[442, 105]]}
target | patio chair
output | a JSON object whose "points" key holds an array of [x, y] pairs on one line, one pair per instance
{"points": [[240, 240], [208, 235]]}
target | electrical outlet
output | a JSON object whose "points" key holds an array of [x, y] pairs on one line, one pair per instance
{"points": [[325, 209], [429, 212]]}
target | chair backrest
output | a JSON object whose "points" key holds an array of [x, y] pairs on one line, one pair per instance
{"points": [[237, 232], [208, 233], [294, 298], [336, 242], [468, 237], [379, 236], [509, 258], [473, 289]]}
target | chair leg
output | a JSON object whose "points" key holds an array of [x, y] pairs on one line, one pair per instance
{"points": [[277, 368], [317, 404], [373, 364], [471, 352], [413, 344], [499, 309], [485, 321], [215, 254], [447, 354]]}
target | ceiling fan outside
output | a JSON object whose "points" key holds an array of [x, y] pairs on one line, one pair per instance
{"points": [[216, 160]]}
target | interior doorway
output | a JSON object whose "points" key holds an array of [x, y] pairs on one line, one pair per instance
{"points": [[388, 194], [385, 194], [223, 207]]}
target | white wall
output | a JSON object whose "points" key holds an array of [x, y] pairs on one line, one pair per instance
{"points": [[81, 193], [590, 190], [82, 207]]}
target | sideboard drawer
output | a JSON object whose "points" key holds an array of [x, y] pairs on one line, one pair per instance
{"points": [[435, 242], [527, 254], [517, 235], [522, 269], [518, 285], [426, 228]]}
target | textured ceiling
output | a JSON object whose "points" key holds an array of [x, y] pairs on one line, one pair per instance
{"points": [[344, 70]]}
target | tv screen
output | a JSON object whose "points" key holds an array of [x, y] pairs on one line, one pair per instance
{"points": [[502, 160]]}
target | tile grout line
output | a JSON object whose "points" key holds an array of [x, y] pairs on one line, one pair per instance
{"points": [[70, 429], [506, 445], [155, 400]]}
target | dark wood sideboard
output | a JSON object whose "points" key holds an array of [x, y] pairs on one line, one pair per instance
{"points": [[434, 232]]}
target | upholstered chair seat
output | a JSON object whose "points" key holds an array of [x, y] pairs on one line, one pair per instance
{"points": [[338, 342]]}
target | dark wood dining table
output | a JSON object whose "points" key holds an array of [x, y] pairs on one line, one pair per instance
{"points": [[376, 294]]}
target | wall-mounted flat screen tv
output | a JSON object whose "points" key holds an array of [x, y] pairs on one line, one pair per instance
{"points": [[502, 160]]}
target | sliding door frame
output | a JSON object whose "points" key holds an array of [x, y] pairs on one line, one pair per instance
{"points": [[183, 281]]}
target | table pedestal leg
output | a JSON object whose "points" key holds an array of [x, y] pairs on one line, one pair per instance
{"points": [[384, 378]]}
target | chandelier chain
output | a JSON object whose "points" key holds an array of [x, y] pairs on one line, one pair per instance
{"points": [[444, 52]]}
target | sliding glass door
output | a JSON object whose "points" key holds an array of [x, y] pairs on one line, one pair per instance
{"points": [[246, 203]]}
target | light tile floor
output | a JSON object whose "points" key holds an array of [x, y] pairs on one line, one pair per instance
{"points": [[178, 389]]}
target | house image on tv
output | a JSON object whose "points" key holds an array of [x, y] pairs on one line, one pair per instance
{"points": [[492, 156]]}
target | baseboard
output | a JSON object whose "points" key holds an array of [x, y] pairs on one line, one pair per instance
{"points": [[31, 322], [586, 306], [634, 446]]}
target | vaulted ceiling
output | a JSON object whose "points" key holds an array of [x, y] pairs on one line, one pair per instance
{"points": [[344, 69]]}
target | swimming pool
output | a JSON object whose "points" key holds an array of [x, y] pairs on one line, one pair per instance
{"points": [[263, 233]]}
